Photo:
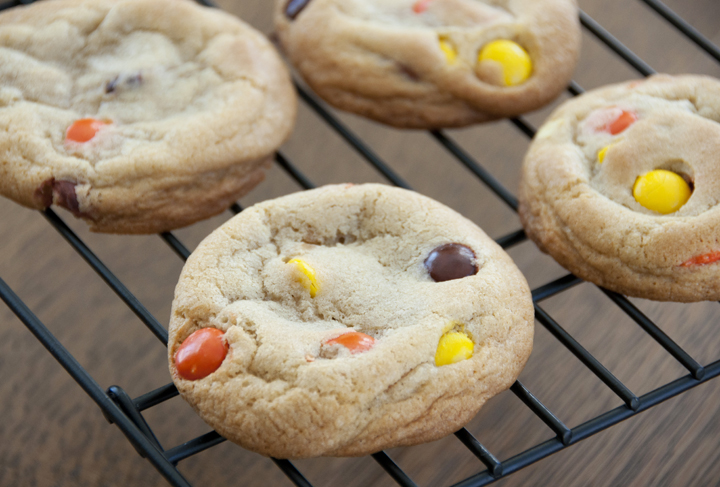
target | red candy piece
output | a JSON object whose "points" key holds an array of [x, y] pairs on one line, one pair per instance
{"points": [[702, 259], [621, 123], [354, 341], [84, 129], [201, 354], [420, 6]]}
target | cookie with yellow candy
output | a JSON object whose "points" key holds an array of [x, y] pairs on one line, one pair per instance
{"points": [[137, 116], [345, 320], [432, 63], [621, 187]]}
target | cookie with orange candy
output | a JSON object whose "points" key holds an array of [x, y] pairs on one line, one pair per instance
{"points": [[432, 63], [136, 116], [345, 320], [621, 187]]}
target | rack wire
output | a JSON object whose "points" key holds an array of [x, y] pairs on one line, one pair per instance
{"points": [[127, 413]]}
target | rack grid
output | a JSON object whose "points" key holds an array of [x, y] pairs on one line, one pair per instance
{"points": [[125, 412]]}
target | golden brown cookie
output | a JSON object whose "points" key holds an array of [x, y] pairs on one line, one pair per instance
{"points": [[137, 116], [621, 186], [432, 63], [345, 320]]}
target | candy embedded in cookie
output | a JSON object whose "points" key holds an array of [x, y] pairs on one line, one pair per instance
{"points": [[602, 153], [84, 130], [504, 63], [622, 122], [306, 275], [201, 354], [294, 7], [421, 6], [354, 341], [448, 49], [454, 347], [622, 187], [612, 120], [382, 355], [432, 63], [451, 261], [157, 114], [662, 191], [709, 258], [61, 193]]}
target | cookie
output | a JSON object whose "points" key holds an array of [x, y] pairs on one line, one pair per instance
{"points": [[621, 187], [432, 63], [344, 320], [136, 116]]}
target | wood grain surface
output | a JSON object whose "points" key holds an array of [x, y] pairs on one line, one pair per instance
{"points": [[53, 435]]}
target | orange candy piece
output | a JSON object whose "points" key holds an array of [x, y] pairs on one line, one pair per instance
{"points": [[420, 6], [621, 123], [201, 354], [354, 341], [84, 129], [702, 259]]}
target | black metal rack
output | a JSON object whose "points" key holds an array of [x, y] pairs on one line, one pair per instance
{"points": [[126, 412]]}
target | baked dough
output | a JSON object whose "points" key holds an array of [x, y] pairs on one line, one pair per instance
{"points": [[198, 102], [414, 63], [281, 390], [583, 212]]}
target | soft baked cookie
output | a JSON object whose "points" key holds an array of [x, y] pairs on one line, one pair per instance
{"points": [[137, 116], [344, 320], [432, 63], [621, 186]]}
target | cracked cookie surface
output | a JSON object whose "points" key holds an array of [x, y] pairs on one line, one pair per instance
{"points": [[359, 365], [621, 186], [137, 116], [423, 64]]}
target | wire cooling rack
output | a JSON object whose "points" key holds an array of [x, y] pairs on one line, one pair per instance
{"points": [[127, 413]]}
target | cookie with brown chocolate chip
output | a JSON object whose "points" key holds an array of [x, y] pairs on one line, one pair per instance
{"points": [[136, 116], [432, 63], [345, 320], [620, 186]]}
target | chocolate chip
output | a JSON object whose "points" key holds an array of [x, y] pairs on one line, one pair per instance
{"points": [[451, 261], [294, 7]]}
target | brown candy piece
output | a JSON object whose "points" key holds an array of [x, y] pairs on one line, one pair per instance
{"points": [[451, 261], [44, 192], [294, 7], [62, 193], [65, 196]]}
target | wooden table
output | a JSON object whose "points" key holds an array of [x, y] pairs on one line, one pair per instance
{"points": [[54, 435]]}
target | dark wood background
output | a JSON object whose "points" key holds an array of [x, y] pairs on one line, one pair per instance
{"points": [[54, 435]]}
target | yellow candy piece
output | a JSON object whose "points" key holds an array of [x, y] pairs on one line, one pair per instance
{"points": [[662, 191], [448, 49], [602, 154], [307, 273], [515, 60], [454, 347]]}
